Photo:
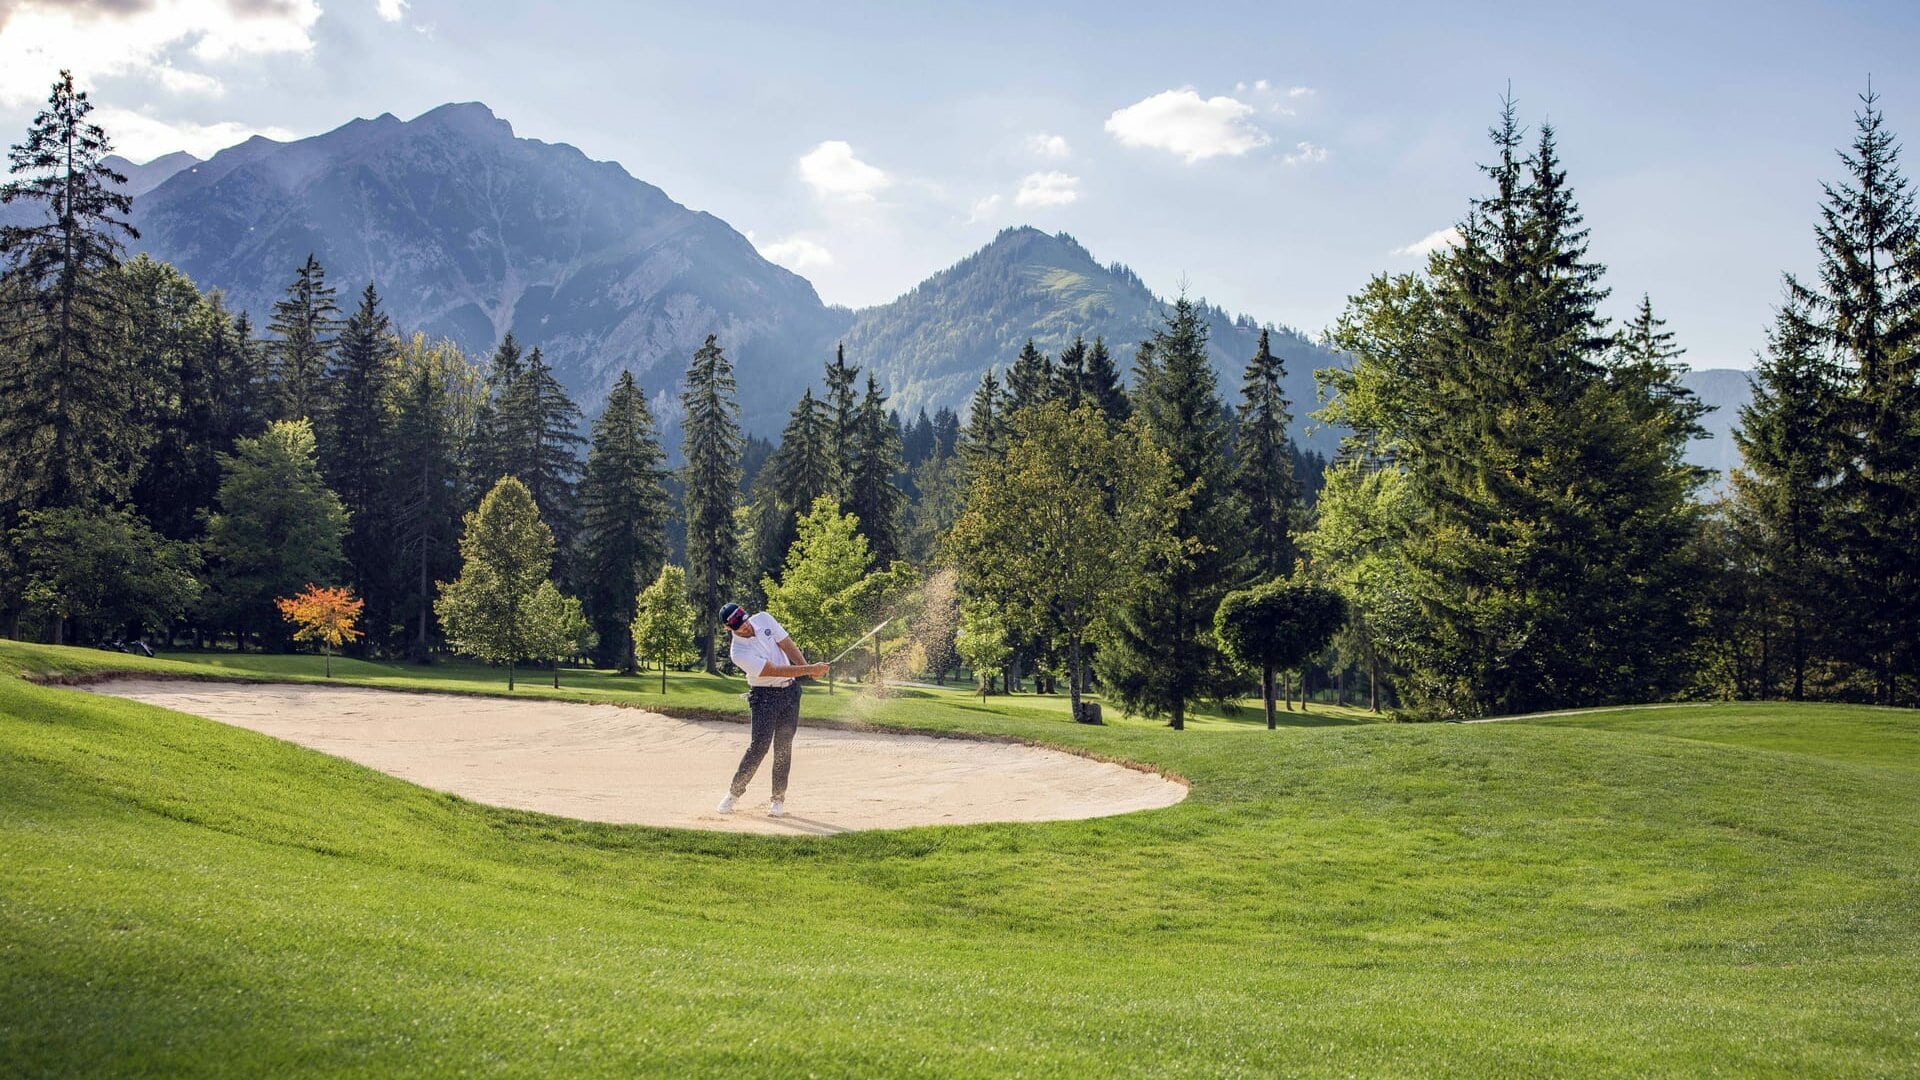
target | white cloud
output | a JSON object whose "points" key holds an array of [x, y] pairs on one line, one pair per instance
{"points": [[833, 172], [106, 38], [1053, 146], [189, 82], [1306, 153], [140, 137], [1047, 189], [392, 10], [1262, 84], [1432, 242], [797, 253], [984, 210], [1184, 123], [1299, 91]]}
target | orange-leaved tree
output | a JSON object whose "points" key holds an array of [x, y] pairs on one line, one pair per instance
{"points": [[323, 615]]}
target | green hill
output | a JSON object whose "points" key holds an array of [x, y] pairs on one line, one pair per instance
{"points": [[932, 345], [1723, 889]]}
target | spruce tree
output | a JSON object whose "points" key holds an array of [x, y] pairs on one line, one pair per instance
{"points": [[170, 332], [68, 392], [874, 498], [305, 321], [842, 410], [1791, 442], [1867, 303], [711, 444], [496, 431], [985, 436], [946, 432], [625, 510], [1101, 384], [1263, 465], [1030, 380], [542, 428], [1070, 374], [1160, 654], [425, 481], [354, 455]]}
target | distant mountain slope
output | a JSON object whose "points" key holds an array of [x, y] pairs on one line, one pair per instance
{"points": [[144, 178], [469, 231], [1727, 390], [932, 345]]}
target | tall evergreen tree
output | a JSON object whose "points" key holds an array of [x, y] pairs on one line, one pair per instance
{"points": [[985, 436], [917, 444], [541, 425], [1070, 374], [624, 499], [1867, 303], [1160, 654], [1030, 380], [803, 469], [305, 320], [946, 432], [874, 498], [68, 392], [1101, 384], [1263, 465], [496, 430], [425, 480], [170, 337], [842, 408], [354, 456], [711, 443], [1790, 446]]}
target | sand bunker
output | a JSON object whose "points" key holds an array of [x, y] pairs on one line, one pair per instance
{"points": [[607, 763]]}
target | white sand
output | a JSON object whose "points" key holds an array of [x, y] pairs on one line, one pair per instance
{"points": [[607, 763]]}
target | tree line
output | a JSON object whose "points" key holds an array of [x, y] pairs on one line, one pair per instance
{"points": [[1510, 523]]}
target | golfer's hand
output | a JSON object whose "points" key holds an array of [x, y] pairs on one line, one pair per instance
{"points": [[820, 670]]}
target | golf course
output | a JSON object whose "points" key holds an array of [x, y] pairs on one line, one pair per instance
{"points": [[1723, 889]]}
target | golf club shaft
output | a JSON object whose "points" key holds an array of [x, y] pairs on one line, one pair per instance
{"points": [[857, 644]]}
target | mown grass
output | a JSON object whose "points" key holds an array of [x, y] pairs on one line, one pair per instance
{"points": [[1718, 890]]}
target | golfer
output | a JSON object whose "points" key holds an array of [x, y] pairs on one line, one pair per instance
{"points": [[772, 663]]}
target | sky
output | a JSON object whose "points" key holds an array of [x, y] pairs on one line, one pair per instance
{"points": [[1269, 157]]}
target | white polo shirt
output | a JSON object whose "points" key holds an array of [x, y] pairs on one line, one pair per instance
{"points": [[753, 654]]}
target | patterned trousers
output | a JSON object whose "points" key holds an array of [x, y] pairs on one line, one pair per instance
{"points": [[776, 716]]}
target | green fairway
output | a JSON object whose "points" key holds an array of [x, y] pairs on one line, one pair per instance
{"points": [[1720, 889]]}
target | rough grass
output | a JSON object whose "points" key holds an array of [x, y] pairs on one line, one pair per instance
{"points": [[1718, 890]]}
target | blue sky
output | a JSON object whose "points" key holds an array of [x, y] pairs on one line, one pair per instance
{"points": [[1270, 156]]}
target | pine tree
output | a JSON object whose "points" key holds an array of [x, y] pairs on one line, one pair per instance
{"points": [[843, 417], [424, 478], [1160, 653], [985, 436], [802, 470], [1070, 374], [171, 331], [1791, 444], [1030, 380], [712, 476], [946, 432], [68, 393], [624, 499], [1263, 465], [874, 498], [354, 454], [1868, 305], [1101, 384], [305, 322], [496, 430], [917, 444], [541, 426]]}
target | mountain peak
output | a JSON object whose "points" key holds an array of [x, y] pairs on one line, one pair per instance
{"points": [[471, 117]]}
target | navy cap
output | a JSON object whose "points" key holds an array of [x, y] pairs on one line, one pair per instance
{"points": [[733, 615]]}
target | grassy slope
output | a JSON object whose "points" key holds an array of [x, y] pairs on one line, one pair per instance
{"points": [[1670, 891]]}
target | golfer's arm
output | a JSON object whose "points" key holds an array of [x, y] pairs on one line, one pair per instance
{"points": [[786, 671], [793, 653]]}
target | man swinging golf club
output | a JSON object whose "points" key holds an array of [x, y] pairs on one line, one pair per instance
{"points": [[762, 649]]}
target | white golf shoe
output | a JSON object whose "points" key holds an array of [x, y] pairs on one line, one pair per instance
{"points": [[726, 804], [777, 808]]}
